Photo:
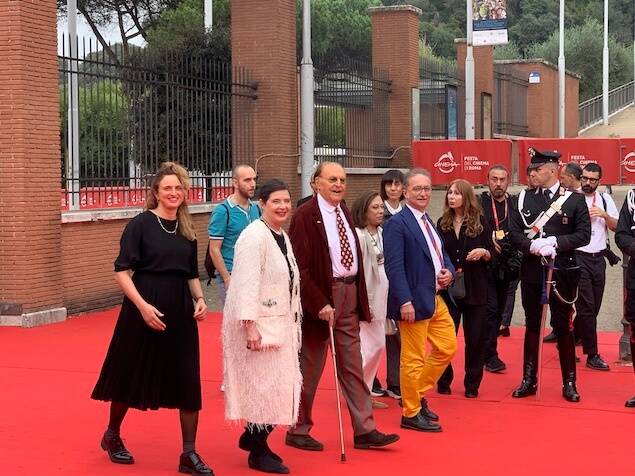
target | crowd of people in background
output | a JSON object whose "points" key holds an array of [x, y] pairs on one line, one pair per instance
{"points": [[381, 278]]}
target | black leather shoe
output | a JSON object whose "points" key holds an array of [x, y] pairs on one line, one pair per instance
{"points": [[420, 423], [549, 338], [471, 393], [630, 403], [191, 463], [303, 442], [267, 464], [374, 438], [116, 450], [504, 331], [526, 389], [444, 390], [595, 362], [426, 412], [569, 392], [244, 443]]}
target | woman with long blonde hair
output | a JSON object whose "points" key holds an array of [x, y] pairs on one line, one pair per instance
{"points": [[467, 238]]}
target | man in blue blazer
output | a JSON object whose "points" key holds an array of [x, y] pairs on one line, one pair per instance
{"points": [[419, 272]]}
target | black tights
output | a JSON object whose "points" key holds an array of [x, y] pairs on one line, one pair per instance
{"points": [[189, 421]]}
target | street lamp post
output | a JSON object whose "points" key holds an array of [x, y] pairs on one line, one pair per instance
{"points": [[307, 140], [469, 77]]}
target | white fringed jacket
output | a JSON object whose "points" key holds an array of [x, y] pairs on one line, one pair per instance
{"points": [[262, 387]]}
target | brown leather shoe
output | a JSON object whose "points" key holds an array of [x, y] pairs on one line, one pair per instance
{"points": [[303, 442], [374, 438], [116, 450]]}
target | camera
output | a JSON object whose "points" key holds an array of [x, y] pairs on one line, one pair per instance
{"points": [[611, 257]]}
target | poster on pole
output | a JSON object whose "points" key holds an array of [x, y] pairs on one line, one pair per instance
{"points": [[489, 22]]}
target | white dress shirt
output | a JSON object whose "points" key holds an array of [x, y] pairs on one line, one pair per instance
{"points": [[333, 238], [438, 265], [599, 233]]}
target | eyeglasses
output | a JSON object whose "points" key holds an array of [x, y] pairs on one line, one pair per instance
{"points": [[418, 190], [334, 180], [589, 179]]}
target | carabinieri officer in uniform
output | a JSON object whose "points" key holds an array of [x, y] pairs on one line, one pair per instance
{"points": [[548, 226]]}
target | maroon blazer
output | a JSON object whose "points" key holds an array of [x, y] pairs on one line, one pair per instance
{"points": [[310, 245]]}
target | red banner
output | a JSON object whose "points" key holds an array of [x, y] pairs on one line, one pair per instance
{"points": [[605, 152], [447, 160], [628, 160]]}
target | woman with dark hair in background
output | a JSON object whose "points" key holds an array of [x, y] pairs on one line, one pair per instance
{"points": [[261, 331], [391, 192], [368, 213], [467, 238], [153, 358]]}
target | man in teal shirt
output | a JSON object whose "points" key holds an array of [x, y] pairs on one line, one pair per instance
{"points": [[228, 221]]}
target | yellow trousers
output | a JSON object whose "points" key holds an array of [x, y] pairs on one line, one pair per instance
{"points": [[420, 372]]}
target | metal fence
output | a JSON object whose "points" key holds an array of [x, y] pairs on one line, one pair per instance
{"points": [[437, 78], [352, 122], [156, 107], [510, 101], [590, 111]]}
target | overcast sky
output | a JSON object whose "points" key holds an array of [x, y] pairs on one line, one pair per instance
{"points": [[84, 32]]}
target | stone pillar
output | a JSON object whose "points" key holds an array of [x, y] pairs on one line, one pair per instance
{"points": [[396, 49], [483, 79], [30, 286], [264, 41]]}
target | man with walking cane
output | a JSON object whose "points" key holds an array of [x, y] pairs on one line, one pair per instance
{"points": [[334, 295], [548, 226]]}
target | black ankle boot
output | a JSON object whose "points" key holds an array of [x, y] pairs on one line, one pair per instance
{"points": [[530, 365], [256, 442], [566, 353]]}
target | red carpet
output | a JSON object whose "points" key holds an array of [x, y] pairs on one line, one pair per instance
{"points": [[49, 425]]}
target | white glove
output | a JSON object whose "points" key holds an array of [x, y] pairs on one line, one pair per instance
{"points": [[551, 240], [537, 244], [548, 251]]}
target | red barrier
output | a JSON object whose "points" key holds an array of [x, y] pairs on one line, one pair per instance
{"points": [[116, 197], [447, 160], [605, 152], [628, 160], [220, 193]]}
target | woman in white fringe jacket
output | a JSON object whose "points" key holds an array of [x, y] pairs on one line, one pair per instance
{"points": [[261, 331], [368, 214]]}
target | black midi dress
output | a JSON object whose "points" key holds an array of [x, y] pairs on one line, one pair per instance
{"points": [[147, 368]]}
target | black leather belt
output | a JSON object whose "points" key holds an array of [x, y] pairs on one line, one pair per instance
{"points": [[345, 280], [593, 255]]}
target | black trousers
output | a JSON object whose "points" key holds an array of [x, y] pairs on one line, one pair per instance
{"points": [[590, 292], [561, 313], [393, 356], [497, 292], [629, 313], [474, 331]]}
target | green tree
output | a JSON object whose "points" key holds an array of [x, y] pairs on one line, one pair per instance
{"points": [[583, 53], [510, 51]]}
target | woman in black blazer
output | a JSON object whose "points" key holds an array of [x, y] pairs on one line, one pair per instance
{"points": [[467, 238]]}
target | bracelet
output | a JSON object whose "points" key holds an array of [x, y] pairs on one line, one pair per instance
{"points": [[200, 297]]}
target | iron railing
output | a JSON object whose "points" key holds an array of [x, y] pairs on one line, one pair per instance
{"points": [[352, 122], [437, 79], [510, 101], [590, 111], [156, 107]]}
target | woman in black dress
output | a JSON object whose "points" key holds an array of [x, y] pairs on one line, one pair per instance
{"points": [[153, 358], [467, 238]]}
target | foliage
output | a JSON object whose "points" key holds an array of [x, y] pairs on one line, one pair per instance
{"points": [[339, 27], [510, 51], [330, 127], [104, 143], [583, 53]]}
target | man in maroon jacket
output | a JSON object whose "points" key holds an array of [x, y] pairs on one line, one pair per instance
{"points": [[333, 294]]}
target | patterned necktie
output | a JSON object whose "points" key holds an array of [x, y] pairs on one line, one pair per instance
{"points": [[345, 245], [431, 235]]}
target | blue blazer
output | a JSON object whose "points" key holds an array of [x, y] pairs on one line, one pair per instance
{"points": [[409, 267]]}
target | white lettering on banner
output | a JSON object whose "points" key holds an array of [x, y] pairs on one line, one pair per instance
{"points": [[446, 163], [581, 159], [629, 162], [472, 162]]}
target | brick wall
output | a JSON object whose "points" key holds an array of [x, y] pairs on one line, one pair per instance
{"points": [[483, 79], [396, 49], [29, 156], [264, 40]]}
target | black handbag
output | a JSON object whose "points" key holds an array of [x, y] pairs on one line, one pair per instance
{"points": [[457, 286]]}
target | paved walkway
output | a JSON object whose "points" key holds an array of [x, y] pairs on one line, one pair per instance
{"points": [[621, 124]]}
